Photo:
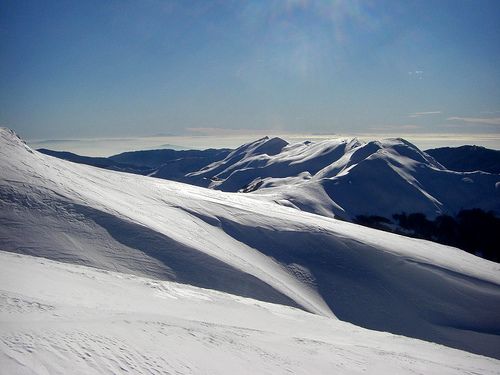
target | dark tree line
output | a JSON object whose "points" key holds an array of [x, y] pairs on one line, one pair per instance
{"points": [[475, 231]]}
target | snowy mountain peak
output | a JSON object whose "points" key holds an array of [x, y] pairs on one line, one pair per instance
{"points": [[407, 149], [7, 133], [9, 138], [265, 145], [249, 155], [271, 146]]}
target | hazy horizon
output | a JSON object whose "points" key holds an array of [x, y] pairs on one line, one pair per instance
{"points": [[107, 146]]}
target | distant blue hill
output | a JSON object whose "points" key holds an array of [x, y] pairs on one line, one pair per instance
{"points": [[467, 158], [168, 164], [156, 158], [100, 162]]}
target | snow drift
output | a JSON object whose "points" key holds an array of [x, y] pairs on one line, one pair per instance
{"points": [[242, 244], [71, 319]]}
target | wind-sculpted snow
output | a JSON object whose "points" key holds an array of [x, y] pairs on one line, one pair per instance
{"points": [[245, 245], [64, 319]]}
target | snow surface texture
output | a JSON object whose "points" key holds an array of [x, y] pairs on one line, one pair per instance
{"points": [[71, 319], [347, 178], [242, 244]]}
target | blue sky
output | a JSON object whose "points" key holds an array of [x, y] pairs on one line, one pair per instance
{"points": [[72, 69]]}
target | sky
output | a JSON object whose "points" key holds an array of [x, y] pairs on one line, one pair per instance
{"points": [[98, 69]]}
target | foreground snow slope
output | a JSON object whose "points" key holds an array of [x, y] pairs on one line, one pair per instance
{"points": [[240, 244], [58, 318], [348, 177]]}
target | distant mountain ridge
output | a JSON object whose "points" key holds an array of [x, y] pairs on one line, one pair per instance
{"points": [[101, 162], [156, 158], [163, 163], [467, 158]]}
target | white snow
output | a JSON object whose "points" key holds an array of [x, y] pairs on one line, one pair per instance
{"points": [[59, 318], [244, 245], [349, 177]]}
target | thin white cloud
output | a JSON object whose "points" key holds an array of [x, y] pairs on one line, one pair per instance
{"points": [[420, 114], [417, 74], [402, 127], [489, 112], [477, 120], [212, 131]]}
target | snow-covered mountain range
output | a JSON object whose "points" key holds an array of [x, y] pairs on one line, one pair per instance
{"points": [[348, 178], [343, 178], [244, 244]]}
